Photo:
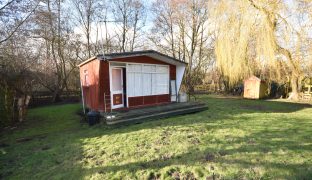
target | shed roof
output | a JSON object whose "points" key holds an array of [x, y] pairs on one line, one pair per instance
{"points": [[254, 78], [151, 53]]}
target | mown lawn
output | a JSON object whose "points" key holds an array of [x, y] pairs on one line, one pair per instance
{"points": [[233, 139]]}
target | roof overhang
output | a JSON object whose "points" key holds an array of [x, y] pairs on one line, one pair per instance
{"points": [[86, 61], [150, 53]]}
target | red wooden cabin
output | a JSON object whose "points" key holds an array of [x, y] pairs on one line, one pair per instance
{"points": [[131, 79]]}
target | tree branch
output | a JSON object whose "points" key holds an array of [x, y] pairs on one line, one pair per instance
{"points": [[7, 4], [19, 24]]}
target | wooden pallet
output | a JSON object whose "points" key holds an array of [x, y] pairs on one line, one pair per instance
{"points": [[156, 112]]}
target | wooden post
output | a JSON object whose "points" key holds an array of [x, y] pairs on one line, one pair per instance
{"points": [[82, 96]]}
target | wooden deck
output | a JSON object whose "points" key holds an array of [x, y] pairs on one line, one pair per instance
{"points": [[153, 112]]}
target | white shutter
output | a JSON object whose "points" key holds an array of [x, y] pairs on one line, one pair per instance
{"points": [[146, 79], [134, 67], [154, 84], [162, 84], [162, 69], [130, 84], [149, 68], [137, 83], [147, 84]]}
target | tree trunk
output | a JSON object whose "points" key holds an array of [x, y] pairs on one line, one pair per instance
{"points": [[22, 104], [294, 95], [56, 96]]}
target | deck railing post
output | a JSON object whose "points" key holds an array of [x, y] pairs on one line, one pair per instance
{"points": [[104, 102], [111, 101], [111, 105]]}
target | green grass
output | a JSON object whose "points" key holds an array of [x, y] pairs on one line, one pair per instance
{"points": [[233, 139]]}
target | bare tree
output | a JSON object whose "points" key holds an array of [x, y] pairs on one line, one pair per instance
{"points": [[14, 8], [61, 48], [129, 18], [86, 14], [16, 60], [181, 30]]}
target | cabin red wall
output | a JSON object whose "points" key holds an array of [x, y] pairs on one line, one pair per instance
{"points": [[91, 87], [100, 83], [172, 72], [149, 100], [104, 86]]}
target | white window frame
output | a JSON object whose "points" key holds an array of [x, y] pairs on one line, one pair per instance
{"points": [[141, 79], [111, 85], [86, 78]]}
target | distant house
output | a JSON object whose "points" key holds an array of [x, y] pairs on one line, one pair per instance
{"points": [[130, 79], [254, 88]]}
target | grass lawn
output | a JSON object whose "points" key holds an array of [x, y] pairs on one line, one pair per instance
{"points": [[233, 139]]}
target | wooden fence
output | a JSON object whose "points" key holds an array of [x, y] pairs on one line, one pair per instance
{"points": [[40, 98], [206, 88]]}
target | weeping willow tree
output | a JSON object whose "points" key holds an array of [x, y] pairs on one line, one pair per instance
{"points": [[247, 42]]}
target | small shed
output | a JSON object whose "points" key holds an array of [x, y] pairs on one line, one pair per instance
{"points": [[130, 79], [255, 88]]}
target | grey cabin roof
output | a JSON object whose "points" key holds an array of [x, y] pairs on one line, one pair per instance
{"points": [[150, 53]]}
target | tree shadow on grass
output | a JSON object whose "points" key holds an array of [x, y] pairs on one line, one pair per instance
{"points": [[199, 158], [279, 154], [219, 110], [283, 137], [64, 154]]}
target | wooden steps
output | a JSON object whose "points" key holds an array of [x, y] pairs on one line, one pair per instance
{"points": [[156, 112]]}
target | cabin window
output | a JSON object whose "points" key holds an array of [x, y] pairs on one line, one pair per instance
{"points": [[147, 79], [86, 79]]}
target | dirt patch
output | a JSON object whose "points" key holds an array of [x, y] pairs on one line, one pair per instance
{"points": [[251, 141], [90, 156], [19, 140], [26, 139], [99, 162], [190, 136], [161, 142], [214, 176], [164, 138], [174, 173], [166, 156], [189, 175], [210, 157], [114, 154], [265, 150], [154, 176], [195, 141], [222, 153], [44, 148]]}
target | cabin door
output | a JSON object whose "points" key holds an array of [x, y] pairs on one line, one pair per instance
{"points": [[117, 87]]}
